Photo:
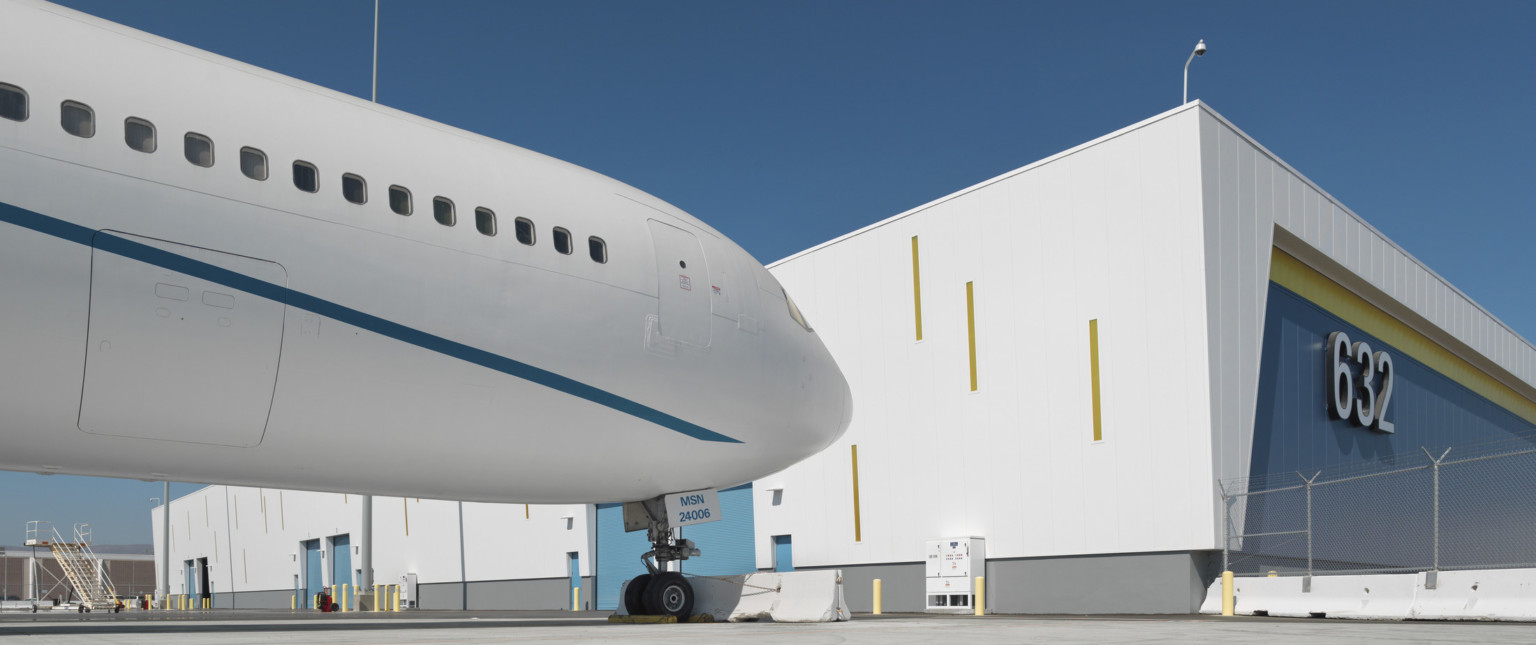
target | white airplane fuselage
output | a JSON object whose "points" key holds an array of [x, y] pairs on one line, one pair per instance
{"points": [[161, 319]]}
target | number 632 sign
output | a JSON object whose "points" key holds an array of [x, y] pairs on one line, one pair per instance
{"points": [[1353, 391]]}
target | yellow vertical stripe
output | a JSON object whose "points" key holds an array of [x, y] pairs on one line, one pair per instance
{"points": [[858, 534], [527, 514], [282, 511], [917, 291], [970, 325], [407, 506], [1093, 366]]}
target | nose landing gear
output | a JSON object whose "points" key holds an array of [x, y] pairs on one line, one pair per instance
{"points": [[659, 592]]}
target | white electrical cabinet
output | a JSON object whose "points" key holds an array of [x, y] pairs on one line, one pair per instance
{"points": [[952, 568]]}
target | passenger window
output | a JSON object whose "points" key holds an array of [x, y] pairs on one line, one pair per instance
{"points": [[13, 102], [198, 149], [524, 228], [562, 241], [598, 249], [253, 163], [306, 177], [400, 200], [442, 211], [139, 134], [354, 188], [485, 221], [78, 119]]}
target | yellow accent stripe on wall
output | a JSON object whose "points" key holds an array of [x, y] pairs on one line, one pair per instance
{"points": [[917, 291], [1291, 273], [858, 534], [970, 325], [1093, 367]]}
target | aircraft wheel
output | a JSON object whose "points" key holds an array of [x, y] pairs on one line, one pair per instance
{"points": [[634, 595], [669, 594]]}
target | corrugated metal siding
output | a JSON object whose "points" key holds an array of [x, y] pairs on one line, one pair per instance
{"points": [[1247, 192]]}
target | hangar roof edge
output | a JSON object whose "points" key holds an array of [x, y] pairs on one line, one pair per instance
{"points": [[1192, 105]]}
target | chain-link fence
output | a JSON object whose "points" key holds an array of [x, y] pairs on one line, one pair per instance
{"points": [[1468, 508]]}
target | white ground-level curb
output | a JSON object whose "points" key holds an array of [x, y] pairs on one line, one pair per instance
{"points": [[1491, 594], [791, 597]]}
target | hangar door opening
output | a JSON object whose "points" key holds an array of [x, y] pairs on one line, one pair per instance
{"points": [[727, 545], [683, 285]]}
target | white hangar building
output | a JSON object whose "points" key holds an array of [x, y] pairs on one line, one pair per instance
{"points": [[1065, 360]]}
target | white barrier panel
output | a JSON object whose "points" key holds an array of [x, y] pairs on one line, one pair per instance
{"points": [[1212, 603], [792, 597], [1500, 594]]}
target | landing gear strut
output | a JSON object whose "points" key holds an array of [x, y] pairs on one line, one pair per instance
{"points": [[659, 592]]}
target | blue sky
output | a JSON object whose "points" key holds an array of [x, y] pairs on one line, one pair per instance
{"points": [[784, 124]]}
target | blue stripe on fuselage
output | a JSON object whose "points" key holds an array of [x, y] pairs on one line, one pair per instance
{"points": [[180, 263]]}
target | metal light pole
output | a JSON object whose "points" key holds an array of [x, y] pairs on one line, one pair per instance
{"points": [[375, 51], [165, 548], [366, 543], [1199, 51]]}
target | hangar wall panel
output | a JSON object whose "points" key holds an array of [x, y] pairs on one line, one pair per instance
{"points": [[1108, 231], [1254, 202], [253, 542]]}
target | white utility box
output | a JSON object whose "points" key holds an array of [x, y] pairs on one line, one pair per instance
{"points": [[953, 566]]}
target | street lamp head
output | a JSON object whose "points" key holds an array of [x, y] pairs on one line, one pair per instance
{"points": [[1200, 48]]}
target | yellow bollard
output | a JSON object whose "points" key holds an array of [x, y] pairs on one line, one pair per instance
{"points": [[575, 598], [981, 596], [293, 602], [877, 596], [1228, 602], [398, 589], [346, 596], [376, 598], [314, 603], [1273, 574]]}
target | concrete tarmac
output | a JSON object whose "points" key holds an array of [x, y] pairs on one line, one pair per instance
{"points": [[230, 627]]}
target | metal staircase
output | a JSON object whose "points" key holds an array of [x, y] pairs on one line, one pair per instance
{"points": [[81, 566]]}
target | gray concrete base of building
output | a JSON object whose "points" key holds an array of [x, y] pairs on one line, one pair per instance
{"points": [[544, 593], [541, 593], [1135, 583]]}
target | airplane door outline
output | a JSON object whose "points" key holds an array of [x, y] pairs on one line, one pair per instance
{"points": [[683, 285]]}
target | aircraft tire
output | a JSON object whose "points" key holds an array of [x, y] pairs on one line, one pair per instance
{"points": [[634, 595], [669, 594]]}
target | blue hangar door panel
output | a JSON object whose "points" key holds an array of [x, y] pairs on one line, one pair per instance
{"points": [[727, 545], [618, 554]]}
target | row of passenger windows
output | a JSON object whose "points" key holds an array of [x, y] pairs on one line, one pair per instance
{"points": [[79, 120]]}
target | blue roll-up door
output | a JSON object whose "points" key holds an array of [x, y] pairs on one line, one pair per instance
{"points": [[618, 554], [312, 580], [783, 553], [727, 545], [341, 561]]}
